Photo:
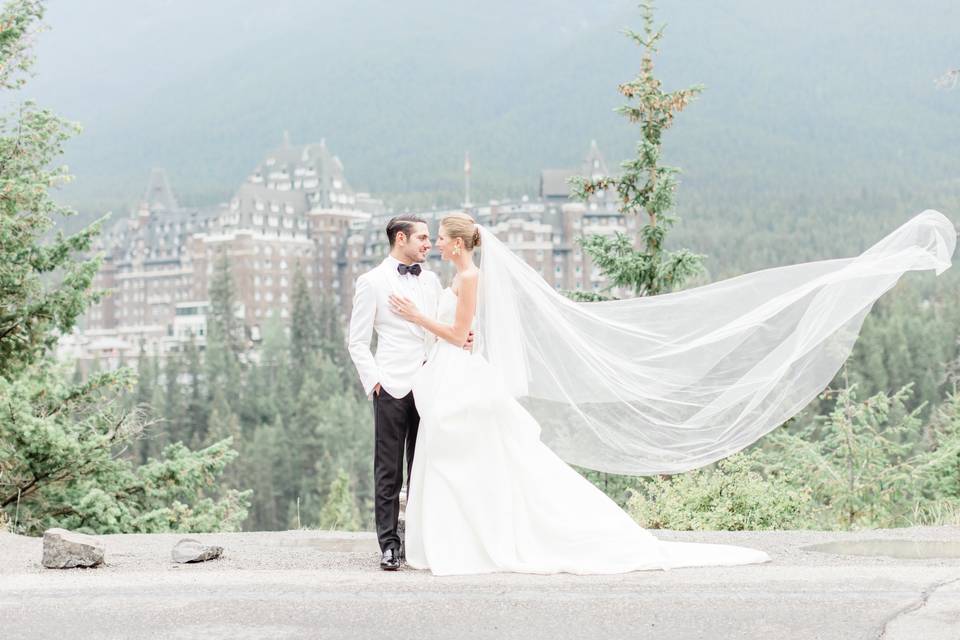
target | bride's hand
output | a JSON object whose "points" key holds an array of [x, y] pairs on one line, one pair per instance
{"points": [[405, 308]]}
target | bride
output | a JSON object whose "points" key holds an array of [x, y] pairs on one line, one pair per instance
{"points": [[640, 386]]}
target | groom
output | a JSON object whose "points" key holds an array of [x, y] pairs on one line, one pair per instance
{"points": [[386, 377]]}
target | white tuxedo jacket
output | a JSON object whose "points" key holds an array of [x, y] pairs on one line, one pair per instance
{"points": [[401, 345]]}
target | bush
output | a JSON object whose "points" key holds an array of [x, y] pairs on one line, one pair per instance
{"points": [[734, 495]]}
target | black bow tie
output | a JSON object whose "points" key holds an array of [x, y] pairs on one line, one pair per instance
{"points": [[404, 269]]}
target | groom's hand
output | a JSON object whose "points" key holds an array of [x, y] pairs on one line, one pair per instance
{"points": [[468, 345]]}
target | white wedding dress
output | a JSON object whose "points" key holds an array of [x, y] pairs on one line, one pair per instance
{"points": [[487, 495]]}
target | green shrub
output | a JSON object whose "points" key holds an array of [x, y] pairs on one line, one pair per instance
{"points": [[734, 495]]}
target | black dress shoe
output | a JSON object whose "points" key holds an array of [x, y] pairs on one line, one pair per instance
{"points": [[390, 560]]}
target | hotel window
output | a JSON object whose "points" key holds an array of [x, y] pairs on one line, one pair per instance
{"points": [[258, 205], [274, 207], [273, 221]]}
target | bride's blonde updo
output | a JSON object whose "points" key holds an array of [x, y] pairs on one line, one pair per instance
{"points": [[460, 225]]}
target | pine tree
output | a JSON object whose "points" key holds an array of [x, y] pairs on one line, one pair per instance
{"points": [[340, 510], [304, 331], [332, 338], [195, 419], [266, 460], [646, 188], [174, 405], [59, 437]]}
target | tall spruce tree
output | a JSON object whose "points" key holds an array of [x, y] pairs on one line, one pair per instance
{"points": [[225, 339], [646, 188], [304, 332]]}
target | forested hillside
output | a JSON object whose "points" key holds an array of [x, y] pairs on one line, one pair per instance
{"points": [[803, 103]]}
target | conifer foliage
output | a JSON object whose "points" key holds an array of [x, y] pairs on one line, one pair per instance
{"points": [[62, 438], [645, 189]]}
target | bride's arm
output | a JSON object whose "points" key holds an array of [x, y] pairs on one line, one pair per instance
{"points": [[466, 308]]}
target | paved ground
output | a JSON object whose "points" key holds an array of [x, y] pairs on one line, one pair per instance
{"points": [[308, 584]]}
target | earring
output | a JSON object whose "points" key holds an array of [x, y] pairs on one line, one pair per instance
{"points": [[456, 250]]}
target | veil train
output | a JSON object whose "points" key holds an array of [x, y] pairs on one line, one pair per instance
{"points": [[672, 382]]}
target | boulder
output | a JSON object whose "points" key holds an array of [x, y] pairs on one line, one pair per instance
{"points": [[190, 550], [64, 549]]}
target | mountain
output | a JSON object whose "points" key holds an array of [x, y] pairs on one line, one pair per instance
{"points": [[815, 97]]}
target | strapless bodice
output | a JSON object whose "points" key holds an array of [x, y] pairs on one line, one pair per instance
{"points": [[447, 306]]}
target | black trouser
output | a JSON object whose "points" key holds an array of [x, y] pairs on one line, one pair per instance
{"points": [[395, 422]]}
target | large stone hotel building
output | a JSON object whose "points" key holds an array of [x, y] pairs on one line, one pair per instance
{"points": [[296, 210]]}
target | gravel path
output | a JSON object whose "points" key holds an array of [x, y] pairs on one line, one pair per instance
{"points": [[310, 584]]}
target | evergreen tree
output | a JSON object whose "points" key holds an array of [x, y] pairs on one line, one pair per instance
{"points": [[60, 439], [225, 337], [340, 510], [174, 405], [304, 331], [334, 340], [267, 467], [195, 419], [646, 188]]}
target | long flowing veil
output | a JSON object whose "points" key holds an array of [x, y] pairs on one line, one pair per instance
{"points": [[672, 382]]}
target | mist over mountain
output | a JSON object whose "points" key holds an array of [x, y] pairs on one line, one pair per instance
{"points": [[809, 97]]}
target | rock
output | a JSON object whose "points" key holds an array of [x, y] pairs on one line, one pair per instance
{"points": [[190, 550], [64, 549]]}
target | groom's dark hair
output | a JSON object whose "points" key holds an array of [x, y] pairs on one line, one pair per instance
{"points": [[403, 223]]}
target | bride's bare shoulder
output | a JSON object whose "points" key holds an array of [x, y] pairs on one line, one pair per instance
{"points": [[469, 276]]}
